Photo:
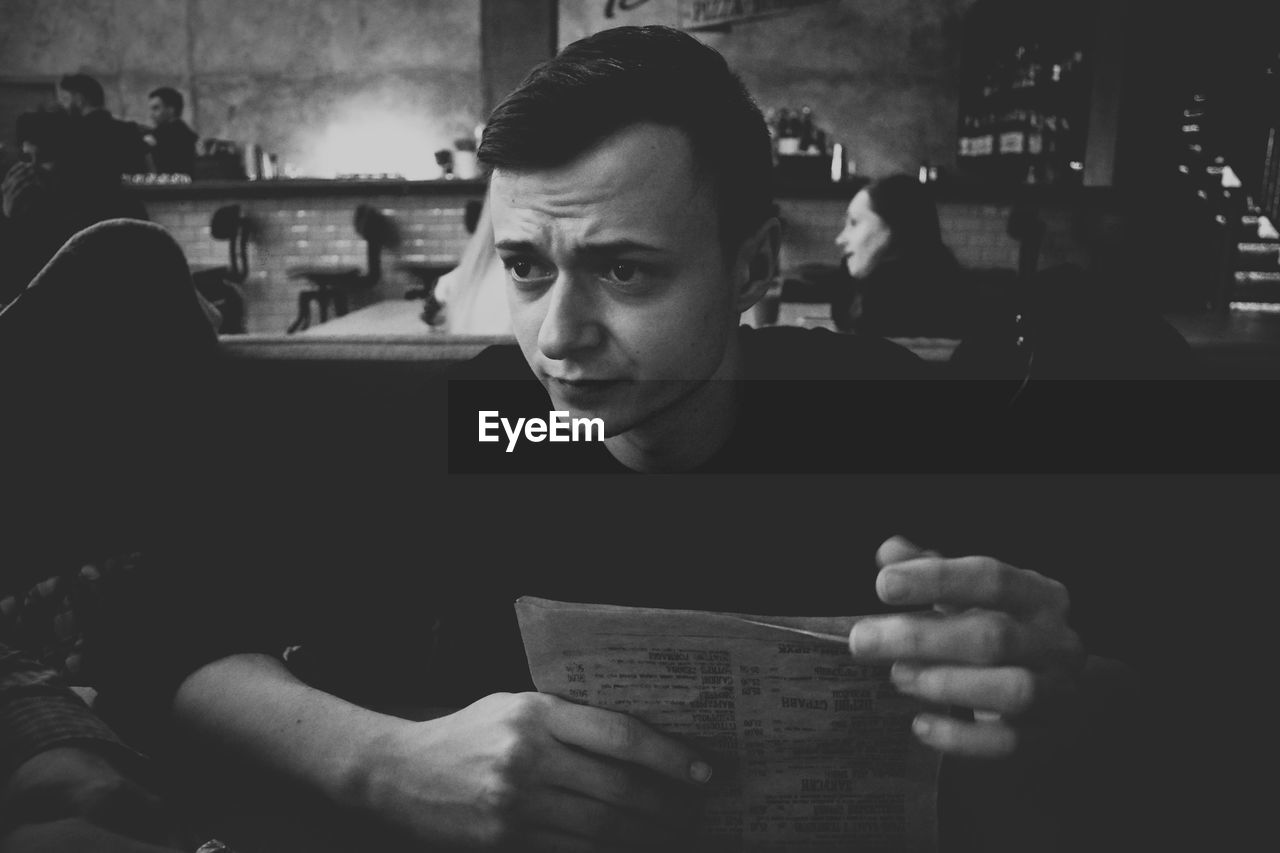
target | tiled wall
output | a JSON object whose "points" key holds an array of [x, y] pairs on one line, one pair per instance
{"points": [[289, 232], [317, 230]]}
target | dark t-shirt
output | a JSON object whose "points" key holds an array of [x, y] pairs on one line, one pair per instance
{"points": [[408, 595], [105, 148], [175, 150], [400, 597]]}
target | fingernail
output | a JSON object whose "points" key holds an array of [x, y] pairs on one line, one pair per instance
{"points": [[921, 726], [903, 675], [892, 585], [700, 771], [865, 638]]}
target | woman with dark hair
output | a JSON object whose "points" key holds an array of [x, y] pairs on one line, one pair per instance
{"points": [[906, 282]]}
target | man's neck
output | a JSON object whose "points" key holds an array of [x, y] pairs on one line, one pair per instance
{"points": [[691, 431]]}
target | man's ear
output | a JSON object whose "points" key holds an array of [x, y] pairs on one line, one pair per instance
{"points": [[756, 265]]}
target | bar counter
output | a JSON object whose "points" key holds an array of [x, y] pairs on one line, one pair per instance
{"points": [[307, 222]]}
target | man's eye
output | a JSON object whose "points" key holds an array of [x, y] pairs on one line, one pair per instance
{"points": [[523, 269], [624, 272]]}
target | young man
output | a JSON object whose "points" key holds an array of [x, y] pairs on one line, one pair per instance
{"points": [[173, 143], [633, 210], [631, 254]]}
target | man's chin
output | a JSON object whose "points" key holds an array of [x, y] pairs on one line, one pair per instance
{"points": [[616, 420], [623, 412], [622, 407]]}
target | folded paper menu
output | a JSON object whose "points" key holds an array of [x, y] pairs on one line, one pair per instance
{"points": [[811, 750]]}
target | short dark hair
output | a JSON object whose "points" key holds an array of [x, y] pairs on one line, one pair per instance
{"points": [[170, 97], [619, 77], [85, 86]]}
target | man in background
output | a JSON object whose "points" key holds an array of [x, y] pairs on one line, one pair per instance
{"points": [[106, 147], [173, 142], [50, 195]]}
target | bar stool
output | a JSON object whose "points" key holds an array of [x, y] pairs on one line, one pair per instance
{"points": [[331, 285], [221, 284], [428, 275]]}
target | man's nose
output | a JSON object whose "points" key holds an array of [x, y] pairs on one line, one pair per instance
{"points": [[571, 324]]}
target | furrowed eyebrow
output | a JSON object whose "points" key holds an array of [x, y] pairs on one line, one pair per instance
{"points": [[619, 247], [605, 249], [523, 246]]}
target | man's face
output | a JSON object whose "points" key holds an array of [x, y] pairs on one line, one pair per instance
{"points": [[864, 237], [618, 284], [39, 156], [161, 112], [71, 102]]}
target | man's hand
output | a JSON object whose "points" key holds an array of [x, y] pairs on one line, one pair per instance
{"points": [[996, 643], [20, 189], [71, 782], [539, 772]]}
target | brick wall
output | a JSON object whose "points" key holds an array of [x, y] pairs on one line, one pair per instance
{"points": [[315, 230]]}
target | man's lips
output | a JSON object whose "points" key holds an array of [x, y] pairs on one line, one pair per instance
{"points": [[582, 387], [580, 378]]}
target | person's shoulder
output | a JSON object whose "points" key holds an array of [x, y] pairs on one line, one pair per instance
{"points": [[127, 132], [103, 121], [789, 352], [176, 129]]}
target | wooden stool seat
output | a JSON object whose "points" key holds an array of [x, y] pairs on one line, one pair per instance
{"points": [[324, 275]]}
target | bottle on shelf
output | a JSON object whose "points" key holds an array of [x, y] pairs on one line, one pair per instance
{"points": [[788, 133], [771, 123], [806, 129], [839, 163]]}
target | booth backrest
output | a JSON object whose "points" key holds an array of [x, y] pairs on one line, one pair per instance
{"points": [[294, 406]]}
